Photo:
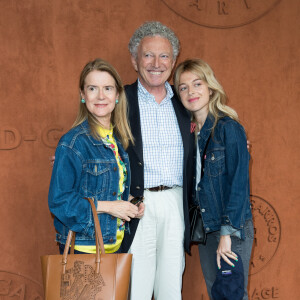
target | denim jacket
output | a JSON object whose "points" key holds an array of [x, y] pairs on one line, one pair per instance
{"points": [[223, 191], [84, 167]]}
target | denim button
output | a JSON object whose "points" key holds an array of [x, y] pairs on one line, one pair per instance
{"points": [[115, 168], [114, 193], [199, 189], [138, 187], [111, 240], [212, 157], [203, 210], [112, 217], [207, 228]]}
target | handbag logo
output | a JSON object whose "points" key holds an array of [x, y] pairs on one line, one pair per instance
{"points": [[80, 283]]}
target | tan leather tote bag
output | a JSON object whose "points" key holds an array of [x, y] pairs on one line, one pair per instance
{"points": [[86, 276]]}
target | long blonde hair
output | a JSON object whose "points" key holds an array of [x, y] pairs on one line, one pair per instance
{"points": [[119, 114], [217, 103]]}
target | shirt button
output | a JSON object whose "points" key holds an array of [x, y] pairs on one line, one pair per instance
{"points": [[115, 168], [199, 189], [138, 187], [114, 193], [203, 210], [139, 163]]}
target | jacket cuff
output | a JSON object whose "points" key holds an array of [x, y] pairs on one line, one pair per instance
{"points": [[229, 230]]}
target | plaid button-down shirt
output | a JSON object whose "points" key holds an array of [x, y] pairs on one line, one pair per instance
{"points": [[162, 142]]}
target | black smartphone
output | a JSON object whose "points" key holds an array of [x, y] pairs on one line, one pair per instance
{"points": [[137, 200]]}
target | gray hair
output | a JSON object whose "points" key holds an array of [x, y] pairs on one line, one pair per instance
{"points": [[153, 28]]}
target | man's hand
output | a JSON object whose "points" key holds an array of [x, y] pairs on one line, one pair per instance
{"points": [[52, 159], [248, 145]]}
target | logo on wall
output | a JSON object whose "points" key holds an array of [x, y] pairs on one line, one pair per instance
{"points": [[15, 286], [11, 138], [267, 232], [221, 13]]}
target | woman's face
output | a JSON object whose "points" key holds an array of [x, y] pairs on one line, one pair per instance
{"points": [[194, 93], [100, 94]]}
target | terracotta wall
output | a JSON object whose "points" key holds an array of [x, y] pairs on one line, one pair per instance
{"points": [[253, 46]]}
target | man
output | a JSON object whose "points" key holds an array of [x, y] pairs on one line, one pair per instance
{"points": [[159, 164]]}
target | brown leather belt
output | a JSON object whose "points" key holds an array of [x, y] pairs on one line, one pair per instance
{"points": [[159, 188]]}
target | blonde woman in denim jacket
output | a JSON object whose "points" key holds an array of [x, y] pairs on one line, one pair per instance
{"points": [[221, 170], [90, 161]]}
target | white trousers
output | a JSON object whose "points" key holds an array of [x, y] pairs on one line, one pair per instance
{"points": [[158, 253]]}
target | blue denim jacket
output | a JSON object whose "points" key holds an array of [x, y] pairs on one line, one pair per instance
{"points": [[223, 191], [84, 167]]}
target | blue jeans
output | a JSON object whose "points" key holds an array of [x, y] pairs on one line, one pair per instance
{"points": [[208, 255]]}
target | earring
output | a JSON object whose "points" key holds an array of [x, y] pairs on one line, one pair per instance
{"points": [[82, 100], [117, 101]]}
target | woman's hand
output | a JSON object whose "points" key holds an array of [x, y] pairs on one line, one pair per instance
{"points": [[123, 210], [224, 251], [141, 208]]}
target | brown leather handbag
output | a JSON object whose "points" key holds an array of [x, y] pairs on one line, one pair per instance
{"points": [[86, 276]]}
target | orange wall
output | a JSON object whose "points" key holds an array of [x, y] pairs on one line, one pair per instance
{"points": [[253, 46]]}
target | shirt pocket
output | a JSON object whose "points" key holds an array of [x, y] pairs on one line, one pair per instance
{"points": [[96, 178], [215, 160]]}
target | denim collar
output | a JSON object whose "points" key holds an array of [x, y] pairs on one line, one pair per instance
{"points": [[207, 127]]}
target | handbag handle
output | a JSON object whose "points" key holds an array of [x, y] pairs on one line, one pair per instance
{"points": [[98, 240]]}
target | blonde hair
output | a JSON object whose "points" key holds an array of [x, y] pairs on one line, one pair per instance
{"points": [[217, 103], [119, 114]]}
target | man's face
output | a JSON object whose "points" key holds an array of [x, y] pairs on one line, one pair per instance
{"points": [[154, 62]]}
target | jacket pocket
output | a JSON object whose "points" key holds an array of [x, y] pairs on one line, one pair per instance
{"points": [[96, 178], [215, 160]]}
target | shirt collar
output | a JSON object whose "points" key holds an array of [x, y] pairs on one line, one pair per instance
{"points": [[103, 132], [146, 96]]}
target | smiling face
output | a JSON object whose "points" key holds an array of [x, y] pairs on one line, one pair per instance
{"points": [[100, 95], [154, 62], [194, 93]]}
